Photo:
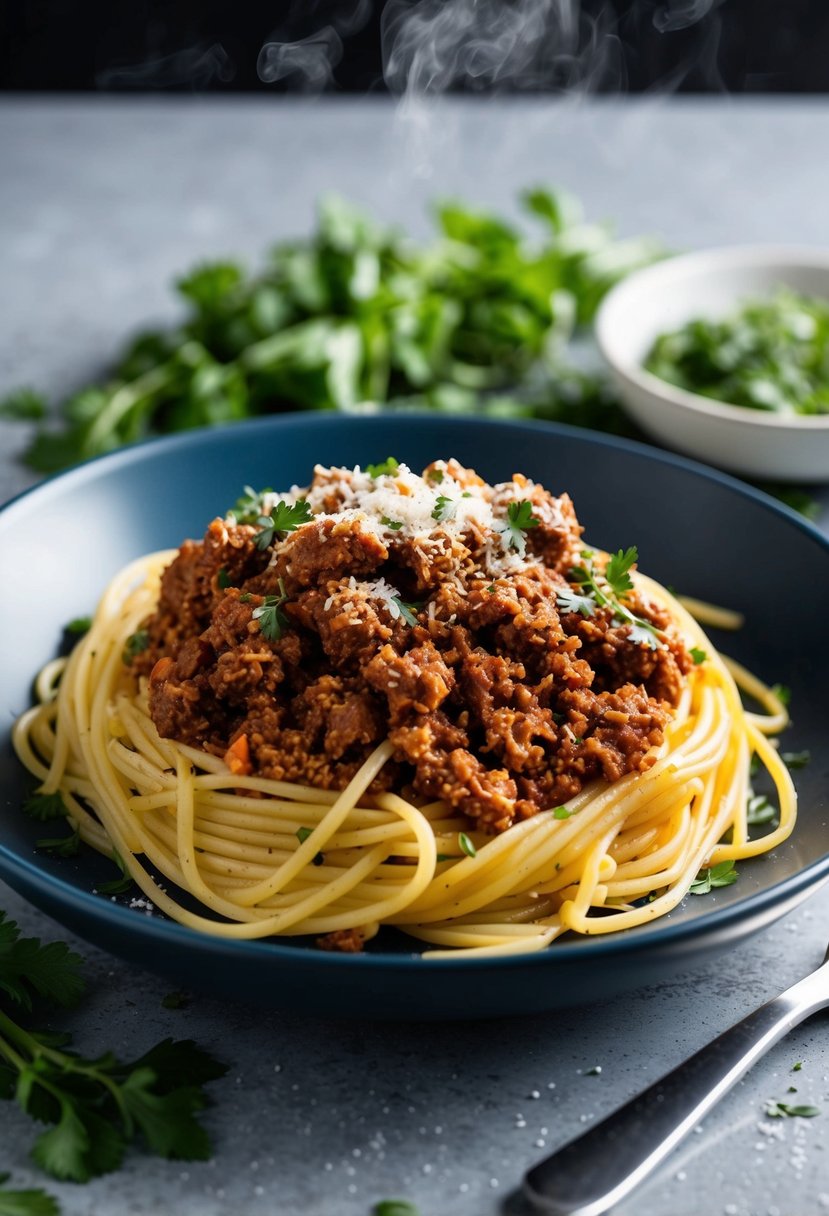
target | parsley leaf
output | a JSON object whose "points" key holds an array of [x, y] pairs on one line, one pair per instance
{"points": [[796, 760], [31, 1202], [135, 645], [23, 405], [79, 625], [444, 509], [272, 620], [116, 886], [783, 693], [249, 506], [782, 1110], [386, 468], [561, 812], [519, 518], [699, 656], [466, 845], [399, 608], [394, 1207], [394, 524], [571, 601], [721, 875], [45, 806], [223, 579], [617, 572], [759, 810], [283, 518], [61, 846]]}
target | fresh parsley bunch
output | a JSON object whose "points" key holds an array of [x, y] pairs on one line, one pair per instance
{"points": [[358, 313], [92, 1108]]}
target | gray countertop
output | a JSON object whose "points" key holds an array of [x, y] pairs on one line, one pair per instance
{"points": [[102, 202]]}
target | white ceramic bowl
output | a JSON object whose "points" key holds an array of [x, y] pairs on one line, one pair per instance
{"points": [[712, 284]]}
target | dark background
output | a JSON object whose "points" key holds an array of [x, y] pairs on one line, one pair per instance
{"points": [[629, 45]]}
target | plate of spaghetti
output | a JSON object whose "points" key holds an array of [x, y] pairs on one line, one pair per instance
{"points": [[496, 723]]}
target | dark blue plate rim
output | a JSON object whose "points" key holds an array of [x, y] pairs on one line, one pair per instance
{"points": [[615, 945]]}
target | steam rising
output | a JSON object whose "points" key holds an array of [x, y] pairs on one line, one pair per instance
{"points": [[309, 61], [196, 66]]}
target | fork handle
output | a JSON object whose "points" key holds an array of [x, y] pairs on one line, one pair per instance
{"points": [[591, 1174]]}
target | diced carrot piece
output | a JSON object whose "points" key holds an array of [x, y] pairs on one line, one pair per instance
{"points": [[161, 670], [237, 756]]}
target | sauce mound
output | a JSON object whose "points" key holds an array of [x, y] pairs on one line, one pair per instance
{"points": [[465, 622]]}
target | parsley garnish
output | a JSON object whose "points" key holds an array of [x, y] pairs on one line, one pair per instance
{"points": [[32, 1202], [445, 509], [272, 620], [386, 468], [135, 645], [407, 611], [223, 579], [796, 760], [570, 601], [117, 886], [302, 834], [782, 1110], [249, 506], [721, 875], [783, 693], [607, 591], [466, 845], [394, 524], [97, 1106], [436, 475], [79, 624], [796, 1067], [759, 810], [283, 518], [699, 656], [61, 846], [561, 812], [617, 571], [45, 806], [519, 518], [394, 1207]]}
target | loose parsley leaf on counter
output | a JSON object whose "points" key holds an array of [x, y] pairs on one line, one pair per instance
{"points": [[33, 1201], [721, 875], [394, 1207], [782, 1110], [96, 1106]]}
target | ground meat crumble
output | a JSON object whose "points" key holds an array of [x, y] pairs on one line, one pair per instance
{"points": [[412, 608]]}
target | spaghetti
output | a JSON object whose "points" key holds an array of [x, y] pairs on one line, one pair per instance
{"points": [[251, 856]]}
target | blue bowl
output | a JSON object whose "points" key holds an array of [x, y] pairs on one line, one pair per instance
{"points": [[702, 532]]}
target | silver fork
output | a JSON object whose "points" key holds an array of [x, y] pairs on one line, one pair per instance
{"points": [[591, 1174]]}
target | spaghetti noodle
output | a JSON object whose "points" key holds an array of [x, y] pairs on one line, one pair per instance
{"points": [[251, 856]]}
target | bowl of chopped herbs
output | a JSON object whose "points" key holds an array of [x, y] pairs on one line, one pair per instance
{"points": [[724, 355]]}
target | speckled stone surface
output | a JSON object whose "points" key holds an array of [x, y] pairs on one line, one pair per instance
{"points": [[102, 202]]}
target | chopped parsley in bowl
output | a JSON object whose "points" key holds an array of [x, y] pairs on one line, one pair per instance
{"points": [[771, 354], [723, 354]]}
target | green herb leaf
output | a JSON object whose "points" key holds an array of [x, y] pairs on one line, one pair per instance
{"points": [[571, 601], [466, 845], [699, 656], [394, 524], [45, 806], [759, 810], [30, 1202], [223, 579], [561, 812], [272, 620], [386, 468], [781, 1110], [27, 968], [61, 846], [249, 506], [445, 508], [408, 612], [116, 886], [394, 1207], [284, 518], [617, 572], [79, 625], [796, 1067], [796, 760], [135, 645], [176, 1000], [302, 834], [519, 518], [22, 405], [721, 875], [783, 693]]}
